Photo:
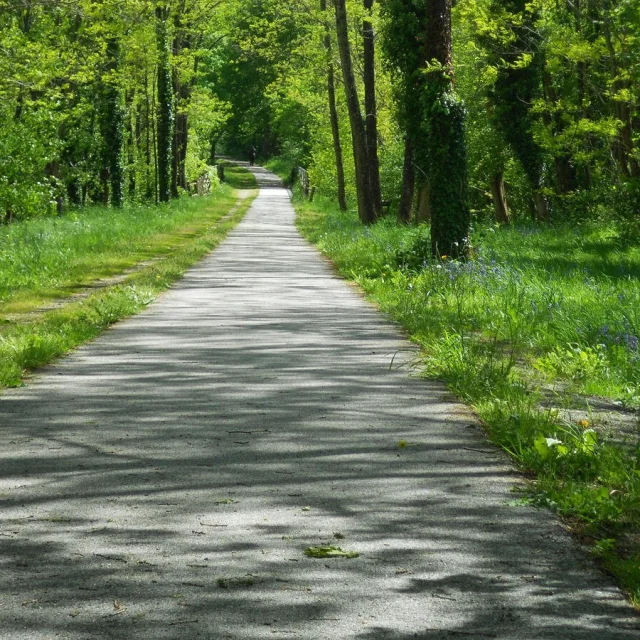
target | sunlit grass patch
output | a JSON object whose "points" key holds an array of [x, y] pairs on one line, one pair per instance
{"points": [[28, 345], [238, 177], [53, 257]]}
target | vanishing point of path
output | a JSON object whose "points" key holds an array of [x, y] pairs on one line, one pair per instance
{"points": [[165, 480]]}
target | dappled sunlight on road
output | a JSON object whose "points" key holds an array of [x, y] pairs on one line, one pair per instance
{"points": [[164, 481]]}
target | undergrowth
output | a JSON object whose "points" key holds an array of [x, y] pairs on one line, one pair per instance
{"points": [[281, 167], [28, 345], [238, 177], [533, 308]]}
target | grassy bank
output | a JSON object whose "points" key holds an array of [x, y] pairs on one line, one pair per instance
{"points": [[238, 177], [50, 259], [281, 167], [538, 320]]}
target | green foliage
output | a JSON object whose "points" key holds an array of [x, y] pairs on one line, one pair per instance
{"points": [[574, 362]]}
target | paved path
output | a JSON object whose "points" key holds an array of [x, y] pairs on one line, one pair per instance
{"points": [[164, 481]]}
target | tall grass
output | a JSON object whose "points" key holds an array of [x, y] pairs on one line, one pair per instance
{"points": [[52, 256], [238, 177], [175, 243], [533, 308]]}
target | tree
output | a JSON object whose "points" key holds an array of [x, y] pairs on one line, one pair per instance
{"points": [[366, 208], [448, 198], [404, 32], [370, 107], [418, 47], [165, 103], [113, 123], [333, 114]]}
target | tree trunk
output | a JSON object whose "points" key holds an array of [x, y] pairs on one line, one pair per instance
{"points": [[366, 209], [182, 92], [133, 127], [165, 107], [515, 91], [154, 124], [408, 184], [566, 176], [113, 125], [423, 213], [333, 113], [500, 198], [371, 109], [447, 181], [541, 207], [148, 128]]}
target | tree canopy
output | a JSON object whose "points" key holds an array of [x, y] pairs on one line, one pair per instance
{"points": [[492, 107]]}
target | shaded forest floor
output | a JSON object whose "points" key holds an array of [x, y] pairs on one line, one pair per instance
{"points": [[539, 333]]}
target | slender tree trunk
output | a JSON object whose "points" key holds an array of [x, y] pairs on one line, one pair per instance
{"points": [[182, 92], [113, 125], [423, 213], [447, 182], [624, 146], [148, 128], [499, 197], [371, 109], [333, 113], [408, 184], [154, 124], [365, 201], [132, 130], [165, 106], [566, 176], [514, 93], [541, 207]]}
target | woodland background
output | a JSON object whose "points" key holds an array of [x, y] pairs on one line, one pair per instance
{"points": [[129, 100]]}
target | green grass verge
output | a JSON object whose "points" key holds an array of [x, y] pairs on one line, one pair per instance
{"points": [[238, 177], [281, 167], [26, 346], [535, 310], [50, 257]]}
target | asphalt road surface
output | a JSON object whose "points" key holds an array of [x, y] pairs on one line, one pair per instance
{"points": [[165, 480]]}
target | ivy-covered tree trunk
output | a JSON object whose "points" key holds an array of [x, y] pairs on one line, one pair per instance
{"points": [[165, 105], [366, 209], [133, 134], [404, 28], [371, 109], [182, 93], [447, 184], [333, 114], [150, 190], [113, 125]]}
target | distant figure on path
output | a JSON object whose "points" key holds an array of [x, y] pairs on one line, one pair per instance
{"points": [[252, 156]]}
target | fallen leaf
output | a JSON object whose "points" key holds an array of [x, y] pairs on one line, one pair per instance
{"points": [[329, 551]]}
